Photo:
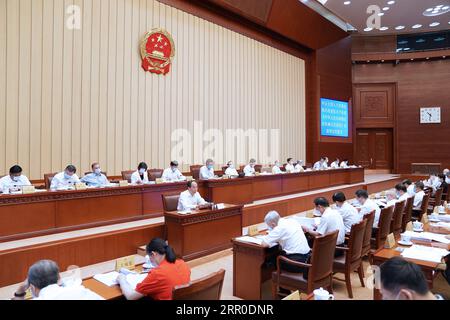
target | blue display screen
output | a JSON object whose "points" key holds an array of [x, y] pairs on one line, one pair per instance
{"points": [[333, 118]]}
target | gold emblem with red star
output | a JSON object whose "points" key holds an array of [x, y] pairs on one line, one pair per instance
{"points": [[157, 51]]}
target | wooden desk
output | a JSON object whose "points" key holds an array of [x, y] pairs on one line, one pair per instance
{"points": [[203, 232], [250, 269]]}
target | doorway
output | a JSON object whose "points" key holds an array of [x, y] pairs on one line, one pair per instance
{"points": [[374, 148]]}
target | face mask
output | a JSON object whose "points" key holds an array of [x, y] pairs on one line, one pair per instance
{"points": [[231, 166], [16, 179], [66, 176], [98, 171], [141, 171], [210, 166], [277, 164], [174, 169]]}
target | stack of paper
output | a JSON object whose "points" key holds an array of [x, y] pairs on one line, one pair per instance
{"points": [[109, 279], [134, 279], [257, 241], [444, 217], [425, 253], [427, 236]]}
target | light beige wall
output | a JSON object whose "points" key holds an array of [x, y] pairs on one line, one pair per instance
{"points": [[78, 96]]}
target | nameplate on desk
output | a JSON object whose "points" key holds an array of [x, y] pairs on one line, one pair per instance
{"points": [[310, 214], [257, 173], [125, 262], [253, 230], [123, 183], [293, 296], [390, 241], [220, 206], [225, 176], [409, 226], [159, 181], [80, 186], [28, 189], [189, 178], [424, 218]]}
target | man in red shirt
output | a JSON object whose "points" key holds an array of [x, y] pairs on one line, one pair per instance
{"points": [[169, 273]]}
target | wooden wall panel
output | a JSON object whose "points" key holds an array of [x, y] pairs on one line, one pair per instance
{"points": [[374, 105], [77, 96]]}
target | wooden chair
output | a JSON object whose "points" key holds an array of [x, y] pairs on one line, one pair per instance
{"points": [[435, 201], [407, 213], [397, 217], [170, 202], [381, 232], [195, 171], [352, 260], [258, 168], [224, 168], [206, 288], [365, 251], [320, 269], [126, 175], [154, 174], [48, 177], [418, 214]]}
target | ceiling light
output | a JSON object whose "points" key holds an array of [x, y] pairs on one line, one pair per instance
{"points": [[391, 2], [347, 3], [381, 14], [428, 58], [412, 59], [368, 61], [436, 11], [382, 60], [406, 49], [384, 28], [368, 29], [385, 8], [434, 24], [420, 40], [400, 28], [416, 26]]}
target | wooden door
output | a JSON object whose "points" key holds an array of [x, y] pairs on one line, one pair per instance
{"points": [[374, 148]]}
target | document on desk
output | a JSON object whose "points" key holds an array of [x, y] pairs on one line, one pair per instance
{"points": [[135, 278], [427, 236], [109, 279], [248, 239], [425, 253], [444, 217]]}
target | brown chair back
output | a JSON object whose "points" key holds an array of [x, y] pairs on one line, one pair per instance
{"points": [[322, 259], [206, 288], [170, 202], [154, 174], [224, 168], [407, 213], [384, 225], [367, 233], [424, 205], [48, 177], [438, 197], [396, 224], [355, 242], [258, 168], [126, 175], [195, 171]]}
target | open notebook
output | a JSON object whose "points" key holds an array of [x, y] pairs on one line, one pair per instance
{"points": [[425, 253]]}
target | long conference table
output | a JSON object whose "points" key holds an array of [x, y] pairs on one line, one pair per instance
{"points": [[45, 212]]}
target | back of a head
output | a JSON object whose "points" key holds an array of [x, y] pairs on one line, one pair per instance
{"points": [[288, 160], [397, 274], [43, 273], [339, 196], [321, 201], [400, 187], [420, 185], [391, 194], [252, 161], [160, 246], [272, 216], [407, 182], [362, 194]]}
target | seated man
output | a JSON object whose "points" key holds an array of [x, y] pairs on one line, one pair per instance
{"points": [[418, 195], [42, 279], [289, 235], [207, 171], [276, 168], [349, 214], [404, 280], [191, 198], [330, 221], [335, 164], [325, 163], [442, 183], [140, 176], [319, 165], [344, 164], [231, 170], [299, 166], [402, 193], [160, 282], [391, 198], [249, 169], [367, 206], [433, 182], [14, 181], [96, 178], [290, 168], [409, 187], [172, 173], [66, 179]]}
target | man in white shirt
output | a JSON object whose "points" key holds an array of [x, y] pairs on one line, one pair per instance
{"points": [[140, 176], [419, 194], [299, 166], [172, 173], [290, 166], [401, 191], [289, 235], [191, 198], [43, 277], [344, 164], [446, 173], [14, 181], [330, 221], [325, 163], [409, 187], [207, 171], [66, 179], [349, 214], [96, 178], [391, 198], [319, 165], [367, 206], [335, 164], [231, 170], [276, 168], [249, 169]]}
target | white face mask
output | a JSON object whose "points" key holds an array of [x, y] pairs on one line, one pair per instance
{"points": [[16, 179], [141, 171], [231, 166], [174, 169], [98, 171]]}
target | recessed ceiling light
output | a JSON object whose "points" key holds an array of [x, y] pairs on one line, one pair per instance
{"points": [[406, 49], [400, 28], [428, 58], [347, 3], [416, 26], [391, 2], [385, 8], [381, 14], [436, 11], [412, 59], [368, 61], [382, 60], [384, 28], [434, 24], [368, 29]]}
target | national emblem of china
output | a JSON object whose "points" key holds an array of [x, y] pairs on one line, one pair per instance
{"points": [[157, 51]]}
